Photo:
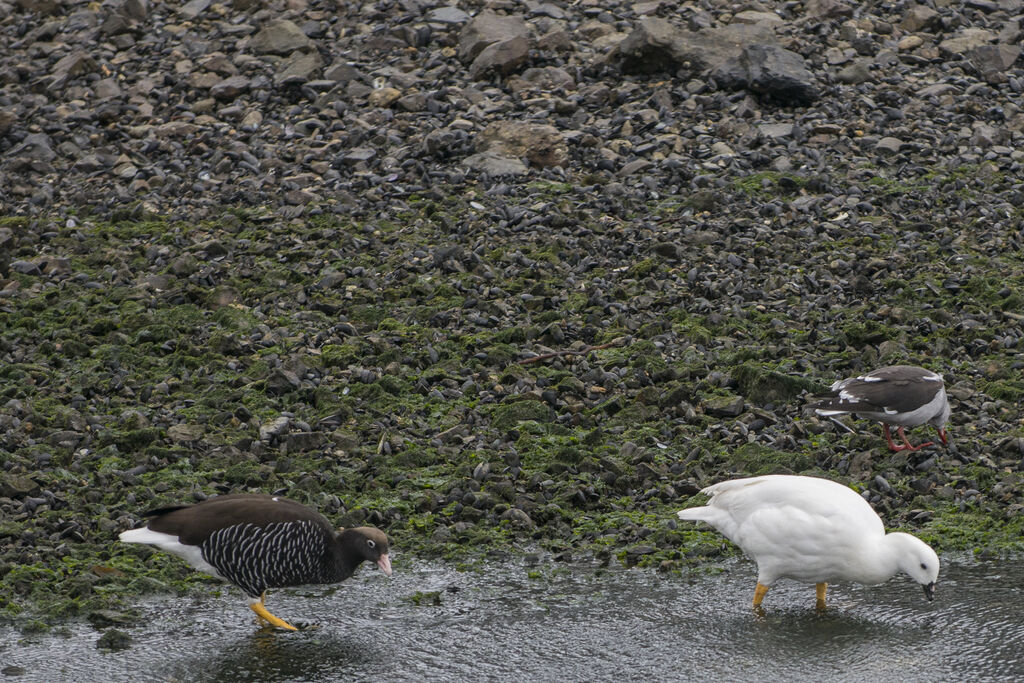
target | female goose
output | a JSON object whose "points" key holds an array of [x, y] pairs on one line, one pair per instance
{"points": [[258, 542], [812, 530]]}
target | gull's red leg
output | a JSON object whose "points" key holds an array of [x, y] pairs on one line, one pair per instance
{"points": [[888, 439], [908, 447]]}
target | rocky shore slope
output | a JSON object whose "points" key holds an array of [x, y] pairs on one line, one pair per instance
{"points": [[495, 276]]}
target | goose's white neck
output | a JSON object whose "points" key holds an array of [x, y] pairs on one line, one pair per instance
{"points": [[876, 561], [882, 558]]}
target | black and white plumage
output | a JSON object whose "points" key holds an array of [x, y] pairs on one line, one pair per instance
{"points": [[258, 542], [901, 395]]}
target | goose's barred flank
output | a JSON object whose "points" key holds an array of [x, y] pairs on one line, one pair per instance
{"points": [[258, 542], [284, 554]]}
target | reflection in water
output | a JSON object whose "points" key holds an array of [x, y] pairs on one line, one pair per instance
{"points": [[575, 624], [266, 655]]}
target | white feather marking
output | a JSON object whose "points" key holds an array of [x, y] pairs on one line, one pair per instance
{"points": [[869, 378], [170, 544], [847, 396]]}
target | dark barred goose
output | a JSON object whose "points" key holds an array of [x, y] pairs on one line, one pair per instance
{"points": [[258, 542], [901, 395]]}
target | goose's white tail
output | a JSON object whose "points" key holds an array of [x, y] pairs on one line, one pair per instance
{"points": [[144, 535], [170, 544], [700, 514]]}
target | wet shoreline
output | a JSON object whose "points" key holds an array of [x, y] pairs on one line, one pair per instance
{"points": [[570, 623]]}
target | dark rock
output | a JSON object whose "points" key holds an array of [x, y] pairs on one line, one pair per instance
{"points": [[827, 9], [35, 146], [7, 121], [889, 145], [102, 618], [541, 144], [723, 406], [136, 9], [25, 267], [966, 41], [495, 164], [230, 88], [193, 8], [300, 442], [919, 18], [115, 640], [343, 73], [991, 62], [507, 416], [185, 433], [282, 382], [280, 37], [17, 486], [548, 79], [447, 15], [771, 72], [502, 57], [413, 102], [657, 45], [854, 74], [73, 65], [300, 67], [488, 28], [359, 155], [518, 518]]}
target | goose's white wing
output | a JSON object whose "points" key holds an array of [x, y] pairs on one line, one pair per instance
{"points": [[800, 527]]}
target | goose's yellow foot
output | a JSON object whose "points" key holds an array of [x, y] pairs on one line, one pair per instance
{"points": [[759, 593], [260, 609], [820, 588]]}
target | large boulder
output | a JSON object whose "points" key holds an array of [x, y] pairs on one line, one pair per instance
{"points": [[486, 29], [769, 71], [504, 57], [657, 45], [542, 145], [280, 37]]}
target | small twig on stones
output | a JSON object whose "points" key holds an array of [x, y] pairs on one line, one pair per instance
{"points": [[580, 352]]}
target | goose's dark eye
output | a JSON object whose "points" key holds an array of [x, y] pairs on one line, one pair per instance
{"points": [[370, 543], [923, 565]]}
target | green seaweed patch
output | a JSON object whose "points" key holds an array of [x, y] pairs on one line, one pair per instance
{"points": [[424, 598], [858, 334], [507, 415], [754, 460], [953, 529], [770, 184], [1005, 389], [762, 385]]}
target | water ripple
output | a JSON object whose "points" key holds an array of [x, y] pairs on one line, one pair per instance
{"points": [[574, 624]]}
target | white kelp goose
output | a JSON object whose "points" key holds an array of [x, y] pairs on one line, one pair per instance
{"points": [[258, 542], [812, 530]]}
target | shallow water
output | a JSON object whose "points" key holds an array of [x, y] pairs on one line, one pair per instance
{"points": [[573, 624]]}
